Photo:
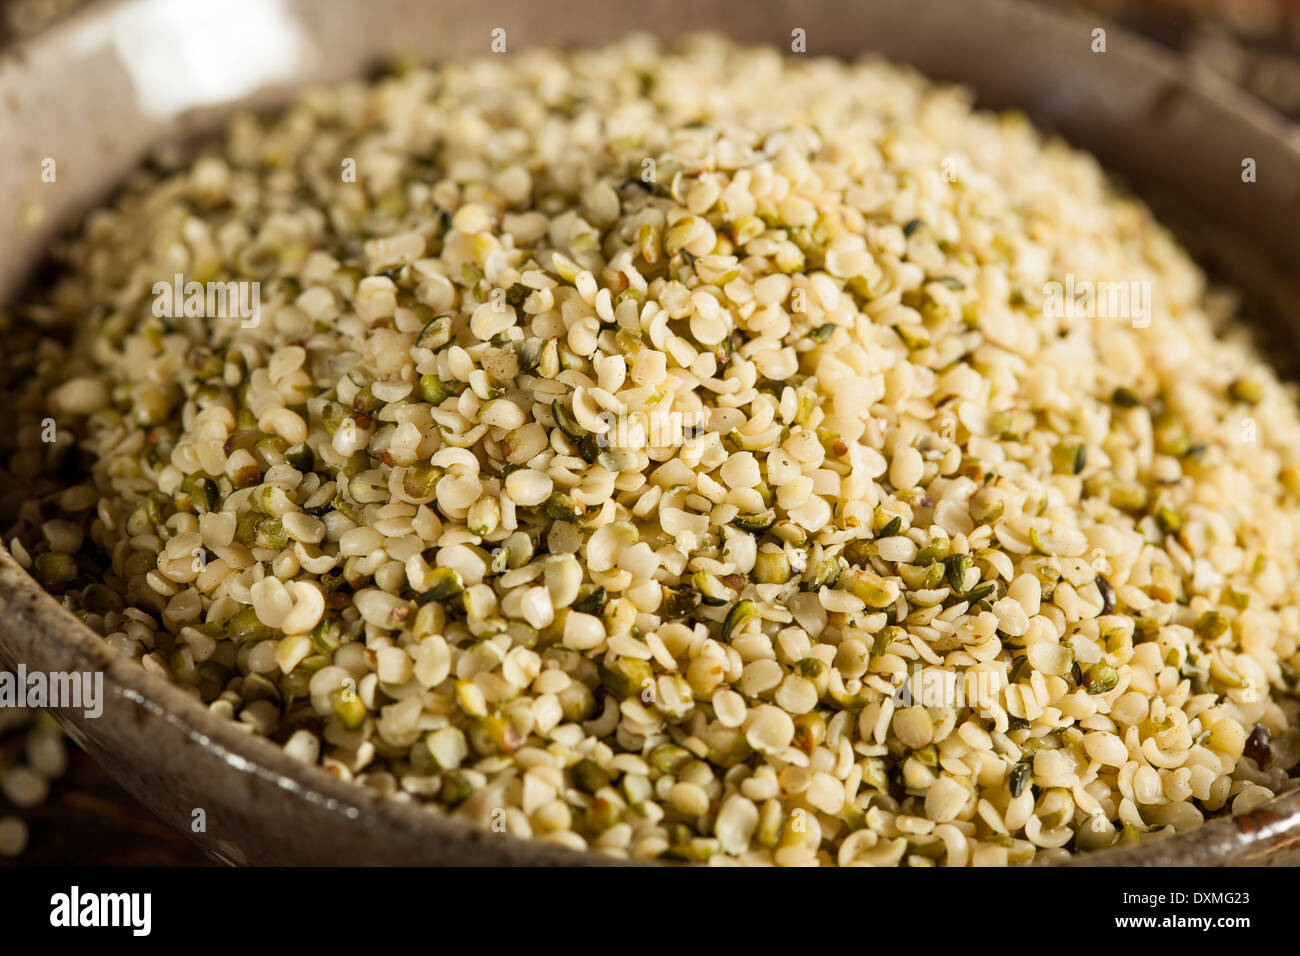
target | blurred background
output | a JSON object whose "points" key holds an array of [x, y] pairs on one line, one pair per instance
{"points": [[58, 808], [1253, 43]]}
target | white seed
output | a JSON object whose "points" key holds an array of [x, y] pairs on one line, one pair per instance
{"points": [[583, 632], [47, 753], [689, 798], [736, 823], [729, 707], [1012, 619], [1106, 749], [448, 747], [906, 469], [796, 695], [13, 836], [24, 787], [945, 799], [393, 665], [563, 580], [896, 550], [536, 607], [528, 488], [769, 729], [303, 745]]}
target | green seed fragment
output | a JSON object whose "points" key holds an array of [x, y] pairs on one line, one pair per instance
{"points": [[858, 552], [928, 755], [332, 414], [625, 677], [494, 734], [144, 518], [1211, 626], [198, 494], [517, 293], [589, 777], [269, 533], [98, 599], [1020, 776], [562, 507], [435, 334], [1069, 457], [811, 668], [936, 550], [549, 365], [1246, 390], [1099, 678], [711, 589], [420, 481], [456, 787], [301, 457], [1017, 665], [772, 567], [244, 626], [616, 460], [737, 617], [957, 565], [247, 476], [826, 574], [1237, 598], [444, 584], [729, 748], [1125, 398], [669, 758], [678, 602], [1033, 745], [873, 589], [529, 353], [755, 523], [886, 636], [809, 731], [1168, 521], [432, 390], [591, 602], [1145, 629], [364, 401], [1055, 808], [1171, 439], [326, 636], [745, 442], [53, 570], [1002, 423], [915, 337], [566, 423]]}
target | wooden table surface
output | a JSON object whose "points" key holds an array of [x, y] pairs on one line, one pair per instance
{"points": [[88, 820]]}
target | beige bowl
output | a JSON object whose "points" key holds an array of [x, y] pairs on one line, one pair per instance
{"points": [[95, 89]]}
